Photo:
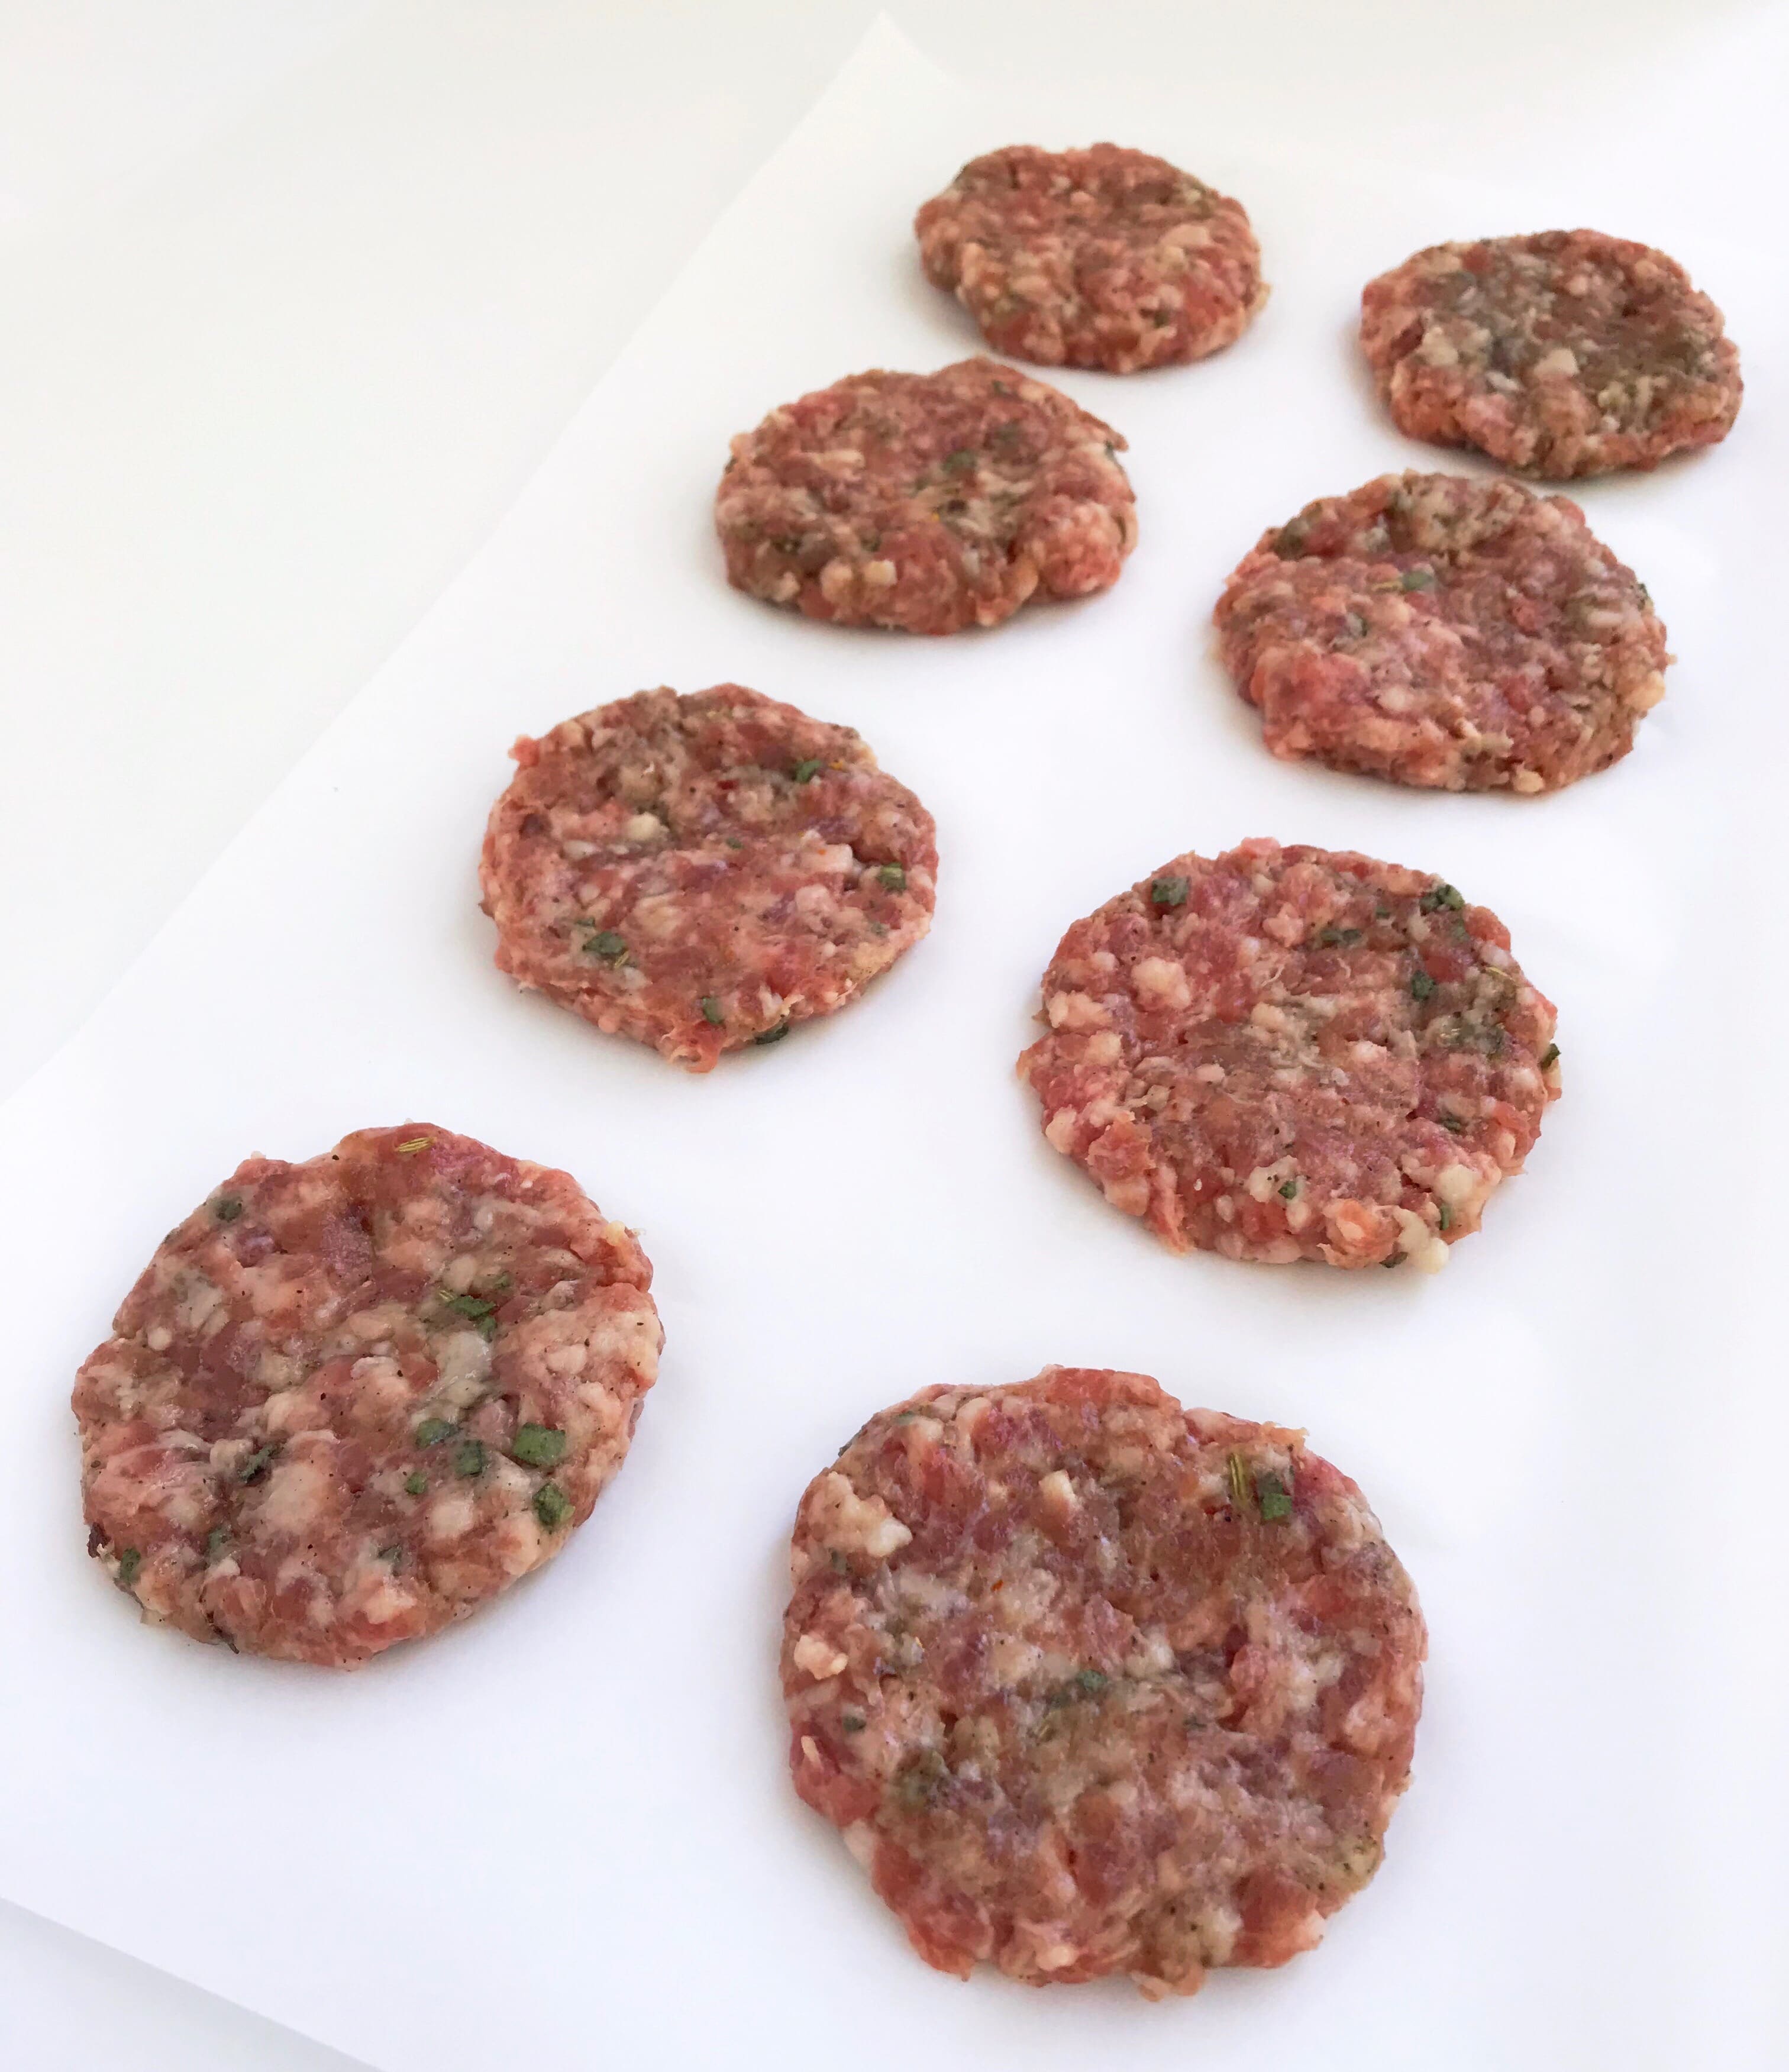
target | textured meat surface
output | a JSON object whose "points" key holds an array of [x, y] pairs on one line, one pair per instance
{"points": [[701, 872], [1564, 354], [1440, 630], [1095, 1684], [1284, 1053], [348, 1401], [1102, 258], [928, 503]]}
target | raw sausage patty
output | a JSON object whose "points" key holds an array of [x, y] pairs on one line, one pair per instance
{"points": [[1095, 1684], [348, 1401], [1284, 1054]]}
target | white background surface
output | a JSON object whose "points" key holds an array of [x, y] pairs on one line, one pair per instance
{"points": [[278, 362]]}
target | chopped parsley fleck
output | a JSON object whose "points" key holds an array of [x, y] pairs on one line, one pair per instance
{"points": [[712, 1012], [227, 1208], [854, 1723], [1442, 895], [732, 841], [467, 1305], [1168, 892], [500, 1284], [413, 1144], [469, 1457], [217, 1542], [1241, 1483], [1338, 938], [1444, 1216], [960, 462], [1287, 1189], [1090, 1682], [129, 1563], [552, 1506], [256, 1465], [393, 1554], [1422, 986], [1549, 1057], [1273, 1497], [1397, 1259], [893, 877], [1416, 579], [433, 1430], [1453, 1124], [808, 767], [773, 1035], [604, 942], [415, 1483], [539, 1445]]}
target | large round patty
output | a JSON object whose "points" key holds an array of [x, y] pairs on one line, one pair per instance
{"points": [[702, 872], [1283, 1053], [1095, 1684], [925, 502], [1443, 630], [1105, 258], [1564, 354], [348, 1401]]}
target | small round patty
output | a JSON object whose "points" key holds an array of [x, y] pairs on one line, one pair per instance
{"points": [[925, 502], [702, 872], [1284, 1053], [1564, 354], [349, 1399], [1443, 630], [1095, 1684], [1106, 258]]}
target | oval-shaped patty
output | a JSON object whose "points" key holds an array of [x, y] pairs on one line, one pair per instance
{"points": [[350, 1400], [702, 872], [1094, 1684], [1284, 1054], [1104, 258]]}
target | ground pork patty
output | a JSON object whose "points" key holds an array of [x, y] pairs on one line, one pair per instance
{"points": [[1286, 1054], [348, 1401], [1564, 354], [1095, 1684], [1443, 630], [925, 502], [699, 873], [1105, 258]]}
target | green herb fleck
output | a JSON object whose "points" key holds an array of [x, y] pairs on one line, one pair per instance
{"points": [[1442, 895], [393, 1554], [808, 767], [1549, 1057], [1455, 1125], [1168, 892], [227, 1208], [607, 945], [1416, 579], [1273, 1497], [469, 1457], [1444, 1216], [1287, 1189], [960, 462], [774, 1035], [1397, 1259], [412, 1144], [712, 1012], [467, 1305], [854, 1723], [1338, 938], [256, 1465], [552, 1506], [1422, 986], [1090, 1682], [500, 1284], [129, 1563], [1241, 1483], [732, 841], [539, 1445], [416, 1483], [894, 878], [433, 1430], [217, 1542]]}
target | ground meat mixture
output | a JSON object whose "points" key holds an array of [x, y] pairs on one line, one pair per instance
{"points": [[925, 502], [1095, 1684], [1104, 258], [702, 872], [1565, 354], [350, 1400], [1445, 630], [1287, 1054]]}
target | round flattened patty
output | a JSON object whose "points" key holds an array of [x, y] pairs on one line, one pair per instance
{"points": [[700, 873], [349, 1399], [925, 502], [1564, 354], [1095, 1684], [1443, 630], [1106, 257], [1284, 1053]]}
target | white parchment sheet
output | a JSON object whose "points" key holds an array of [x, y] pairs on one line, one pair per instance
{"points": [[563, 1834]]}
